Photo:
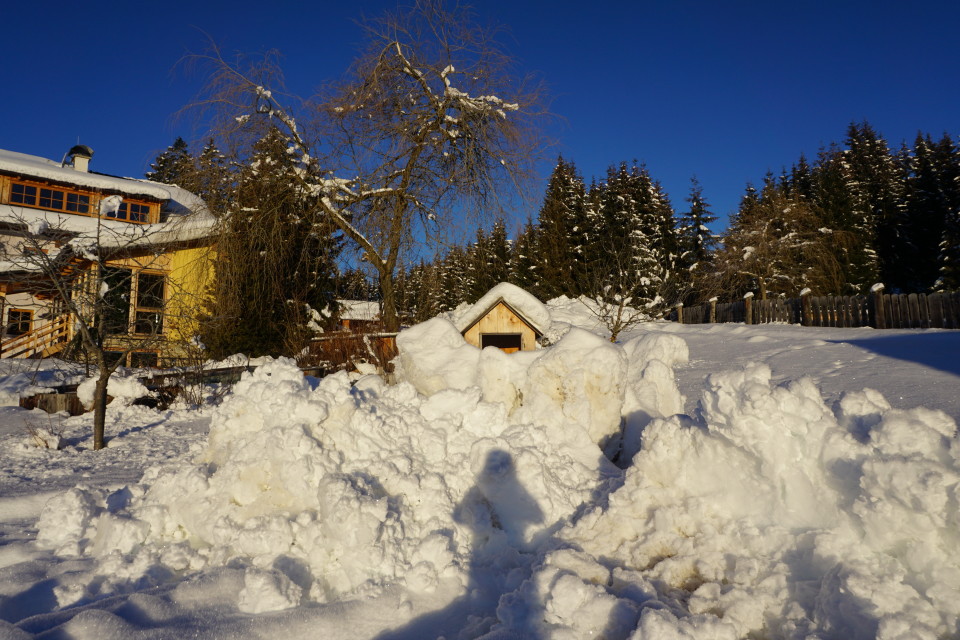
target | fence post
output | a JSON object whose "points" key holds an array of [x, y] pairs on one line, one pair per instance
{"points": [[806, 316], [680, 312], [713, 310], [879, 314], [748, 307]]}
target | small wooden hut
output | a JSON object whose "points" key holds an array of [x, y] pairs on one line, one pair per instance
{"points": [[506, 317]]}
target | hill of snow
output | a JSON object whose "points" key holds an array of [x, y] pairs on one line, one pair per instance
{"points": [[716, 481]]}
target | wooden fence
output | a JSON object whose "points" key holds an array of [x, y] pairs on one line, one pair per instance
{"points": [[879, 310]]}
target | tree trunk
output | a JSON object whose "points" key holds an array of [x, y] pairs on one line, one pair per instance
{"points": [[389, 317], [100, 410]]}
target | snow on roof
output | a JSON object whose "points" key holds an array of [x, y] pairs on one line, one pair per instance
{"points": [[359, 310], [37, 167], [532, 310], [185, 216], [113, 233]]}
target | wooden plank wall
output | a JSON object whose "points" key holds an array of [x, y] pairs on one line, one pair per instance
{"points": [[897, 311]]}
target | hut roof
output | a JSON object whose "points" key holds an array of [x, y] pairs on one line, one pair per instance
{"points": [[524, 304]]}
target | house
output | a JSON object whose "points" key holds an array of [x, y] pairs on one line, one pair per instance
{"points": [[63, 228], [359, 316], [506, 317]]}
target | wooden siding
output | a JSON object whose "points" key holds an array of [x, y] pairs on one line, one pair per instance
{"points": [[501, 319]]}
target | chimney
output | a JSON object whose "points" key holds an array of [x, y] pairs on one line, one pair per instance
{"points": [[80, 157]]}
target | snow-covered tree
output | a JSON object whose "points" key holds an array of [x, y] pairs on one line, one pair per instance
{"points": [[174, 166], [429, 123]]}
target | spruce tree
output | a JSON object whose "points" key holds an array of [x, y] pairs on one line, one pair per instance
{"points": [[561, 228], [697, 242], [175, 166], [275, 264]]}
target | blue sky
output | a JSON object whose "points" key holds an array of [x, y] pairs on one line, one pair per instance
{"points": [[720, 90]]}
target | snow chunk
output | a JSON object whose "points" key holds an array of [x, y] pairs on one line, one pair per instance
{"points": [[123, 389]]}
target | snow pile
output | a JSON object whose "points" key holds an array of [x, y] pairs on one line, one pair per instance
{"points": [[123, 388], [486, 478], [772, 518], [332, 492]]}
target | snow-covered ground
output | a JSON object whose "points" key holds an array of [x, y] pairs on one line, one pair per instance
{"points": [[758, 492]]}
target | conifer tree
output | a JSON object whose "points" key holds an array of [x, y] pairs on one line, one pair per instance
{"points": [[876, 187], [697, 242], [276, 263], [524, 272], [174, 166], [561, 227]]}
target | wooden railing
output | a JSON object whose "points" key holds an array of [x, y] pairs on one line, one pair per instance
{"points": [[45, 341]]}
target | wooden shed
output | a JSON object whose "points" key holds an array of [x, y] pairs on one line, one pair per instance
{"points": [[507, 317]]}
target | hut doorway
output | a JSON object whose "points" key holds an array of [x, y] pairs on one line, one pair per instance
{"points": [[508, 342]]}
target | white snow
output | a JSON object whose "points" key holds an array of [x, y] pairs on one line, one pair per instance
{"points": [[770, 481]]}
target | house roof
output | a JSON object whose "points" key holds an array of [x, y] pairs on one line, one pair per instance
{"points": [[359, 310], [522, 303], [184, 215], [37, 167]]}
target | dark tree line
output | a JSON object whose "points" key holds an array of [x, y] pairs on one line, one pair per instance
{"points": [[860, 214]]}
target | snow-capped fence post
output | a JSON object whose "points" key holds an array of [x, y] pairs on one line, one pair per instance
{"points": [[713, 309], [806, 314], [748, 307], [879, 314], [680, 313]]}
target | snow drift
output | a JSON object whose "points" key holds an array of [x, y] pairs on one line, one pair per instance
{"points": [[768, 513]]}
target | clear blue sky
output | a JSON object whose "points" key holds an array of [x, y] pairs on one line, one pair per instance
{"points": [[723, 90]]}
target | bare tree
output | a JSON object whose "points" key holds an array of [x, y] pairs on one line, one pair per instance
{"points": [[780, 246], [429, 124], [614, 284], [87, 280]]}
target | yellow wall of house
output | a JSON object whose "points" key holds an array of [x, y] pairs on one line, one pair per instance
{"points": [[189, 278]]}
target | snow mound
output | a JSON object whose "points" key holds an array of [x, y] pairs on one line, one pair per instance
{"points": [[333, 491], [770, 518], [124, 389]]}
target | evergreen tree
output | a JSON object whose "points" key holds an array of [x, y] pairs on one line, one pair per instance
{"points": [[697, 242], [562, 223], [876, 187], [174, 166], [213, 178], [525, 261], [275, 264]]}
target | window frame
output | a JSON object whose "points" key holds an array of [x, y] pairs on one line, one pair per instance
{"points": [[10, 323], [72, 200], [140, 309]]}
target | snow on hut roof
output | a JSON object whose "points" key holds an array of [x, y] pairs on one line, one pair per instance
{"points": [[532, 310], [36, 167]]}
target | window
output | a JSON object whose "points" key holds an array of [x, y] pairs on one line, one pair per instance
{"points": [[116, 308], [65, 199], [78, 203], [51, 199], [23, 194], [19, 322], [149, 314], [134, 212], [142, 291]]}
